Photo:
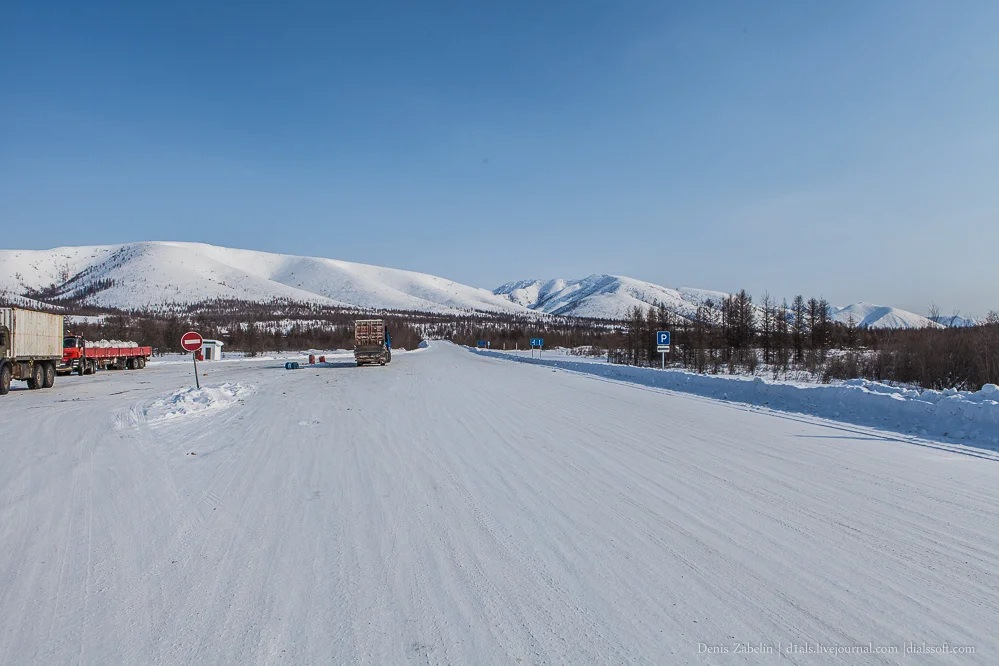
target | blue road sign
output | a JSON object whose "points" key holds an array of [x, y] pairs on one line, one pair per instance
{"points": [[662, 337], [537, 342], [482, 344]]}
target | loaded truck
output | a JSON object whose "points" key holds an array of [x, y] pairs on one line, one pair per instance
{"points": [[372, 343], [86, 358], [30, 347]]}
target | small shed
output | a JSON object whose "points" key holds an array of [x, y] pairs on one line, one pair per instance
{"points": [[211, 350]]}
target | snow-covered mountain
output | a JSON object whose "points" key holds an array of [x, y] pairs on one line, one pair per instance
{"points": [[614, 296], [597, 296], [153, 274], [868, 315], [144, 275]]}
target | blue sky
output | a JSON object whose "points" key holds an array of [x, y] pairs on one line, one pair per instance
{"points": [[848, 150]]}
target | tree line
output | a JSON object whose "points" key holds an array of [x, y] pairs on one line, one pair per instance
{"points": [[734, 335], [738, 336]]}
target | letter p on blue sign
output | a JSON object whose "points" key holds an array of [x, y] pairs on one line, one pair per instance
{"points": [[662, 337]]}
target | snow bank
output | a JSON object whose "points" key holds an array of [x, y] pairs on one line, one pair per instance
{"points": [[192, 401], [969, 416]]}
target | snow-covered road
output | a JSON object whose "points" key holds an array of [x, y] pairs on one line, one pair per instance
{"points": [[457, 508]]}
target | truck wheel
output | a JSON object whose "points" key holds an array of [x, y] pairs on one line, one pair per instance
{"points": [[5, 377], [91, 367], [49, 374], [142, 363], [82, 369], [37, 378]]}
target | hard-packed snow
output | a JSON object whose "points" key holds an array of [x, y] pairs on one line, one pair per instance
{"points": [[454, 507], [971, 417]]}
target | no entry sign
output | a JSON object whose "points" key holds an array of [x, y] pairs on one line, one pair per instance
{"points": [[191, 341]]}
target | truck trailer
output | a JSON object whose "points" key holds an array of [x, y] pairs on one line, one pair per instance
{"points": [[85, 358], [30, 347], [372, 343]]}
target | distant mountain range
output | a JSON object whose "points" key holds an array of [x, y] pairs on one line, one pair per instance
{"points": [[152, 275]]}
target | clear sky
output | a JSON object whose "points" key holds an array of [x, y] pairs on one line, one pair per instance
{"points": [[843, 149]]}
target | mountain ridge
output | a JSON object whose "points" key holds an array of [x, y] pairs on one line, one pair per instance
{"points": [[156, 274]]}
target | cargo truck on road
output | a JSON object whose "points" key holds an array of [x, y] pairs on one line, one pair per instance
{"points": [[30, 347], [372, 343], [85, 358]]}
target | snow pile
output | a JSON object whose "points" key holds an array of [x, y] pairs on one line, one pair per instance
{"points": [[192, 401], [969, 416]]}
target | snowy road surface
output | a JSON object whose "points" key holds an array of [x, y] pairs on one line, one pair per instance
{"points": [[453, 508]]}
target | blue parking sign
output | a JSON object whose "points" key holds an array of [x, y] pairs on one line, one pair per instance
{"points": [[662, 337]]}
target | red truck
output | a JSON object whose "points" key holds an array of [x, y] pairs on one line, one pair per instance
{"points": [[86, 359]]}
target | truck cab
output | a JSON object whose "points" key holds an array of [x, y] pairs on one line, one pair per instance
{"points": [[74, 356]]}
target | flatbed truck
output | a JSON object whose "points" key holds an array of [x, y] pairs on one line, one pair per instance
{"points": [[85, 358]]}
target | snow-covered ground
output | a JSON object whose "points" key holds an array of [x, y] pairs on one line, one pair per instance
{"points": [[456, 507], [968, 417]]}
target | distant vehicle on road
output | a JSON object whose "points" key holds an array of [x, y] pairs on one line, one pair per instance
{"points": [[30, 347], [86, 358], [372, 342]]}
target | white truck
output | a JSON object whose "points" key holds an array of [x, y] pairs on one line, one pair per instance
{"points": [[30, 347]]}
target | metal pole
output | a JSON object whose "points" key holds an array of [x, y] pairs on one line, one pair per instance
{"points": [[197, 382]]}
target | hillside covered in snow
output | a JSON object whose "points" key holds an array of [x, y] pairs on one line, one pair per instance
{"points": [[162, 274], [614, 296], [145, 275]]}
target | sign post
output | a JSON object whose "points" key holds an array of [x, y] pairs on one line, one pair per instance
{"points": [[662, 344], [192, 342], [539, 343]]}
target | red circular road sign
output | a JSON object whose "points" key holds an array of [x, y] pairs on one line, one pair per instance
{"points": [[191, 341]]}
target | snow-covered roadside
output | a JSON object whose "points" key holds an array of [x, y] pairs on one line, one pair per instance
{"points": [[971, 417], [194, 401]]}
